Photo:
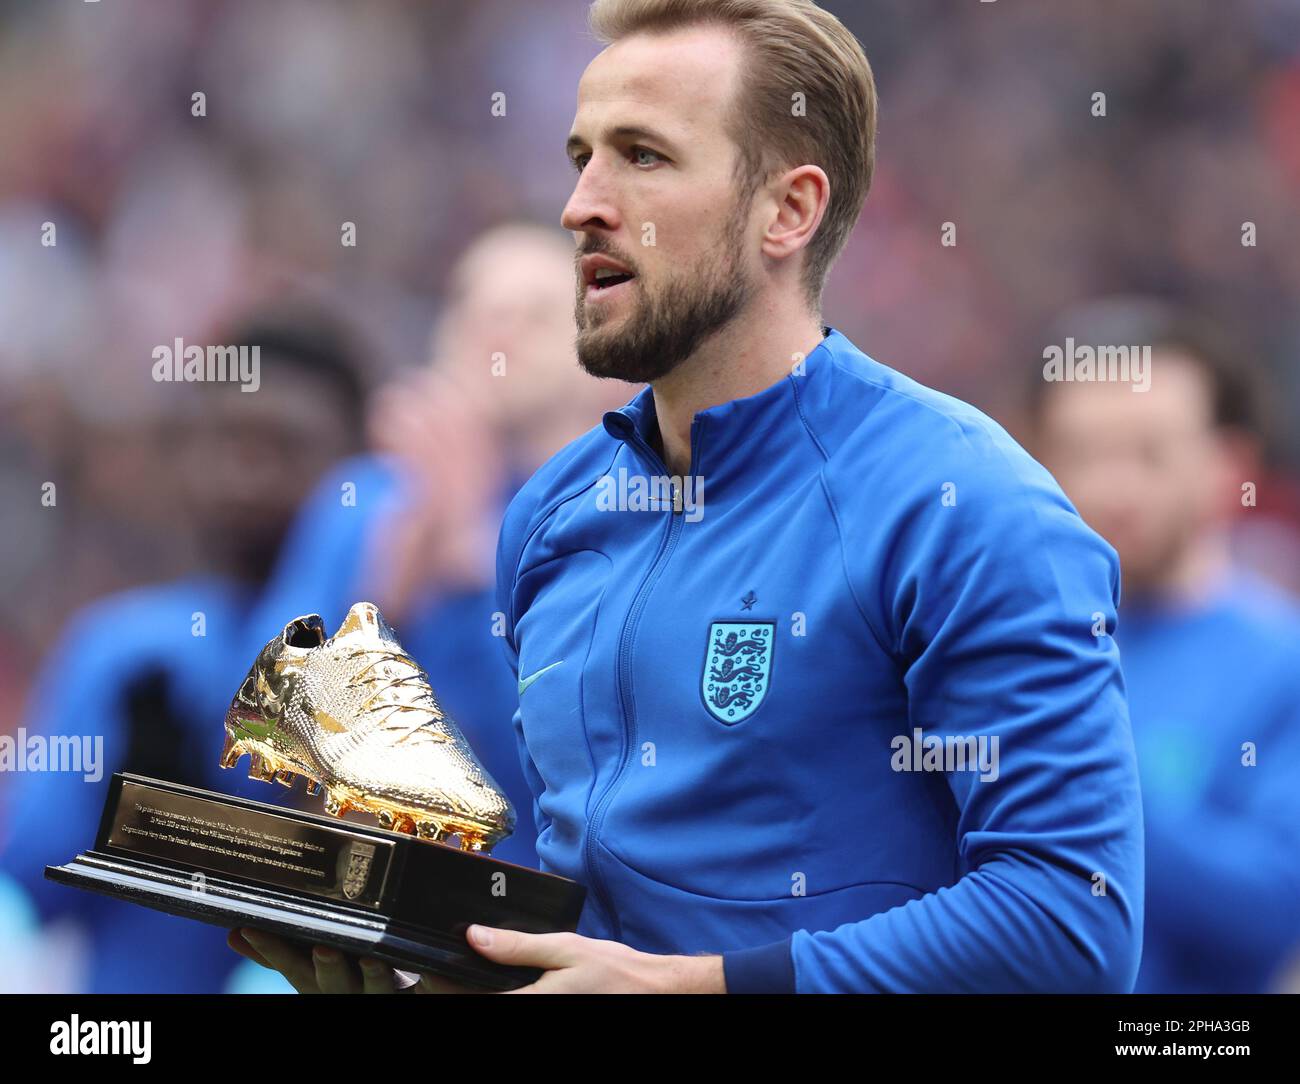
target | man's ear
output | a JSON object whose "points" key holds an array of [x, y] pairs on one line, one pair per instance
{"points": [[800, 198]]}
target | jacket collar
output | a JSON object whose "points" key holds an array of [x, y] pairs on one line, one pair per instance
{"points": [[738, 421]]}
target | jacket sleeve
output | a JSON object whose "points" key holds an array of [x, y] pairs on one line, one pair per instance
{"points": [[514, 527], [998, 605]]}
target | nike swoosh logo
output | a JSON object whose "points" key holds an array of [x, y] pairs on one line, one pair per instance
{"points": [[525, 682]]}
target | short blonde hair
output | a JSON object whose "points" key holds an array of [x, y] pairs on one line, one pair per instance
{"points": [[794, 47]]}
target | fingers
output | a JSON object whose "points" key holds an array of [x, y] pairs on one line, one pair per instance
{"points": [[236, 941], [377, 977], [336, 973], [294, 964], [327, 970], [544, 950]]}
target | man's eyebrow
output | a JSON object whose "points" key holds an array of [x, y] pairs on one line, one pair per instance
{"points": [[623, 131]]}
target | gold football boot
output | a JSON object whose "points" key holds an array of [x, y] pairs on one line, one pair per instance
{"points": [[355, 714]]}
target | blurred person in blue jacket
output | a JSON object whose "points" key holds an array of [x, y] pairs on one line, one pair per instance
{"points": [[1210, 650], [413, 525], [143, 677]]}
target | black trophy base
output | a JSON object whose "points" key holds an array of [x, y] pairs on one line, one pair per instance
{"points": [[315, 880]]}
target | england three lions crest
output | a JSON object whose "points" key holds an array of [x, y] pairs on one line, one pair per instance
{"points": [[360, 858], [737, 668]]}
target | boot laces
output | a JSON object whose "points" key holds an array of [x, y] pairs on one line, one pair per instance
{"points": [[405, 698]]}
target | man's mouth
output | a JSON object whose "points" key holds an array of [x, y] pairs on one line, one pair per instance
{"points": [[606, 279], [604, 276], [604, 290]]}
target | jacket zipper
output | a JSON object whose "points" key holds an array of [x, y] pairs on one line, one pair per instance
{"points": [[675, 522]]}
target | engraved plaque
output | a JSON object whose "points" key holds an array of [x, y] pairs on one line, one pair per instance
{"points": [[366, 890], [268, 848]]}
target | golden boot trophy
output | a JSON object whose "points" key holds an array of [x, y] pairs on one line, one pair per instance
{"points": [[354, 714]]}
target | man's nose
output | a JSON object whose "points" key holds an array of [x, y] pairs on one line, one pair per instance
{"points": [[592, 205]]}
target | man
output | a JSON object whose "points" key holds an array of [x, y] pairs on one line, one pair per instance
{"points": [[1211, 651], [733, 689]]}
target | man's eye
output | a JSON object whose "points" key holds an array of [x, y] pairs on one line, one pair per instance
{"points": [[579, 161]]}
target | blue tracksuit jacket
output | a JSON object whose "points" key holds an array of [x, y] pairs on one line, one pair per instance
{"points": [[1214, 691], [741, 711]]}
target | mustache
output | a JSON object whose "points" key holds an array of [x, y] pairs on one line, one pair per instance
{"points": [[602, 250]]}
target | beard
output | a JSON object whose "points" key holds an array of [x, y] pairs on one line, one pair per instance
{"points": [[669, 325]]}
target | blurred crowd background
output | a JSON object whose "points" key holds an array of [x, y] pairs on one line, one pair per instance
{"points": [[173, 500]]}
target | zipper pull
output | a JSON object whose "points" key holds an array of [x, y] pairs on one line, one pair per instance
{"points": [[677, 496]]}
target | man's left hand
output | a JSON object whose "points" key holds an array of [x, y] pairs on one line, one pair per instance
{"points": [[584, 965]]}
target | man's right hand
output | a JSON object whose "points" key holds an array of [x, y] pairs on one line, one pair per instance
{"points": [[327, 970]]}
